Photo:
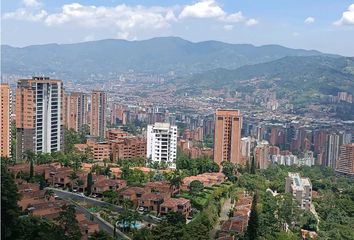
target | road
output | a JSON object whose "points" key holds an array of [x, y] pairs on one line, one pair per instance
{"points": [[103, 225], [74, 196]]}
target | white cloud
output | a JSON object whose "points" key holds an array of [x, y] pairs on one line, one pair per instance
{"points": [[251, 22], [125, 21], [309, 20], [347, 17], [23, 14], [295, 34], [31, 3], [228, 27], [202, 9], [211, 9]]}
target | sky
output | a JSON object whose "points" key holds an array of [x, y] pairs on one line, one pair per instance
{"points": [[324, 25]]}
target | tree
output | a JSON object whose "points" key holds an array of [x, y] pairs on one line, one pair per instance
{"points": [[38, 228], [73, 179], [9, 209], [229, 170], [253, 223], [71, 138], [175, 218], [253, 165], [68, 224], [89, 184], [100, 235], [110, 196], [30, 157], [175, 179], [143, 234], [48, 194], [309, 221], [195, 187]]}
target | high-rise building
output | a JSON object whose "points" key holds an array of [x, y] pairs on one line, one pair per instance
{"points": [[162, 144], [5, 102], [227, 136], [98, 113], [300, 188], [261, 152], [332, 150], [345, 163], [246, 146], [76, 107], [39, 116]]}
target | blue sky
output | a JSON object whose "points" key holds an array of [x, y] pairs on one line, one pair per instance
{"points": [[325, 25]]}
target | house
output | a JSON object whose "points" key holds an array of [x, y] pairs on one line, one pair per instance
{"points": [[180, 205], [133, 194], [162, 187], [208, 180], [48, 209], [152, 201], [59, 176], [117, 172], [103, 184]]}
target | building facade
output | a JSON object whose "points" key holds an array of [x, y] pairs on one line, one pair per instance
{"points": [[75, 110], [162, 144], [98, 113], [39, 116], [345, 163], [300, 188], [5, 118], [227, 136], [261, 153]]}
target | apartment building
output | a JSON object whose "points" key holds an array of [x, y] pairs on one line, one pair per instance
{"points": [[300, 188], [227, 137], [162, 144], [98, 113], [5, 120], [39, 116], [75, 110], [261, 153], [345, 163]]}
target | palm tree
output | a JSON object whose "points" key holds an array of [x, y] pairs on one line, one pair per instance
{"points": [[48, 194], [107, 171], [127, 203], [31, 158], [73, 179], [175, 179], [125, 219]]}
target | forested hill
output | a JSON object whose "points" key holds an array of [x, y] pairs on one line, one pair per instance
{"points": [[106, 58]]}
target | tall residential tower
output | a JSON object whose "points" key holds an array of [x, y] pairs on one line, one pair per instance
{"points": [[162, 144], [98, 113], [76, 107], [227, 137], [39, 116], [5, 103]]}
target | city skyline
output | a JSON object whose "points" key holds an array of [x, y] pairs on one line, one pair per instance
{"points": [[296, 25]]}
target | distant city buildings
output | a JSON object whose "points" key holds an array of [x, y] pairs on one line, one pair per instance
{"points": [[39, 116], [75, 110], [162, 144], [300, 188], [345, 163], [227, 136], [261, 153], [98, 113], [289, 159], [5, 118]]}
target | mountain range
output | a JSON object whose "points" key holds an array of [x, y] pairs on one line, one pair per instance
{"points": [[107, 58]]}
